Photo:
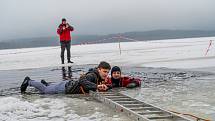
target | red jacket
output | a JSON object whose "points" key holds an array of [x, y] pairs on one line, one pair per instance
{"points": [[64, 34], [124, 81]]}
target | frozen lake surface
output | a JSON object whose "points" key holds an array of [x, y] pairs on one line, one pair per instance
{"points": [[187, 89], [178, 90]]}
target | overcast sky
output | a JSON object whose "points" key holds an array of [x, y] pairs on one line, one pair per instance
{"points": [[40, 18]]}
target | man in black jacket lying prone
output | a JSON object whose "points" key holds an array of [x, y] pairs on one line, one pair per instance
{"points": [[92, 80]]}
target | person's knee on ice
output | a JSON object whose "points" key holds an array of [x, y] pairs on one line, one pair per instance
{"points": [[44, 82]]}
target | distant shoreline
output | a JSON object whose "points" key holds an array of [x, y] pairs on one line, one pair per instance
{"points": [[111, 38]]}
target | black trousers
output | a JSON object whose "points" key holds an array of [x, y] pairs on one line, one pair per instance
{"points": [[65, 45]]}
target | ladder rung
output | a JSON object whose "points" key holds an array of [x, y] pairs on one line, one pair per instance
{"points": [[122, 99], [105, 93], [143, 108], [128, 102], [132, 105], [151, 112], [111, 97], [161, 117]]}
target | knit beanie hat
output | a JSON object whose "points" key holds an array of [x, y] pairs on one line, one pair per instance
{"points": [[115, 68]]}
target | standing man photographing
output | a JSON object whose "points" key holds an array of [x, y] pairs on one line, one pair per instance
{"points": [[63, 31]]}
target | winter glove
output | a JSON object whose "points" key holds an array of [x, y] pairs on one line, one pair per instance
{"points": [[131, 85]]}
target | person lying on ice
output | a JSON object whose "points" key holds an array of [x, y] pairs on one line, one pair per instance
{"points": [[89, 81], [117, 80]]}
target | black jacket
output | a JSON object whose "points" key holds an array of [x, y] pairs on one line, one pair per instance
{"points": [[88, 81]]}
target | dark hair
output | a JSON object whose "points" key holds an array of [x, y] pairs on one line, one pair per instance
{"points": [[63, 19], [104, 65], [115, 68]]}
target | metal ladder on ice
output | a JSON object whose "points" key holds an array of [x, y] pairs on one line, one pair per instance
{"points": [[135, 109]]}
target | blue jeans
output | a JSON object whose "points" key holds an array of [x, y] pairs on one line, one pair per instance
{"points": [[53, 88]]}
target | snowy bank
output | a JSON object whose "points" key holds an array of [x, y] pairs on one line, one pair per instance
{"points": [[173, 53]]}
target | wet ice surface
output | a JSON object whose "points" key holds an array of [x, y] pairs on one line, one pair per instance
{"points": [[55, 107], [36, 107], [179, 90]]}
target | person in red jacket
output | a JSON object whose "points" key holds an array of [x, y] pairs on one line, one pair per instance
{"points": [[63, 31], [117, 80]]}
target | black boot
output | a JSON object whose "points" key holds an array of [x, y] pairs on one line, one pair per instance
{"points": [[24, 84], [69, 61], [62, 60], [44, 82]]}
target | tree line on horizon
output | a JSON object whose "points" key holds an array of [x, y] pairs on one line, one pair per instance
{"points": [[93, 39]]}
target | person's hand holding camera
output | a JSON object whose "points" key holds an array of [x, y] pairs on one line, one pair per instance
{"points": [[67, 25]]}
